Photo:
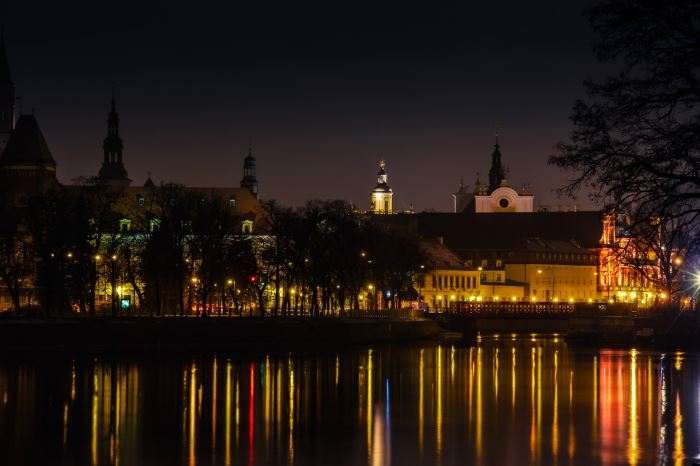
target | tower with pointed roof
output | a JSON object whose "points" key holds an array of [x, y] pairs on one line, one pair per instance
{"points": [[461, 198], [250, 180], [381, 198], [497, 172], [7, 96], [113, 172], [26, 164]]}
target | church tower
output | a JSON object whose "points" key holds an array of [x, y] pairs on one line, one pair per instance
{"points": [[381, 199], [113, 172], [250, 180], [497, 172], [26, 164], [461, 198], [7, 96]]}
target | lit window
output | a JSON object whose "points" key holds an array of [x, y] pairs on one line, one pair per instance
{"points": [[232, 203], [247, 226], [124, 225], [142, 201]]}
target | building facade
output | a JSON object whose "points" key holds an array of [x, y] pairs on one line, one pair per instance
{"points": [[382, 197]]}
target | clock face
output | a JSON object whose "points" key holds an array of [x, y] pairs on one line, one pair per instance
{"points": [[503, 203]]}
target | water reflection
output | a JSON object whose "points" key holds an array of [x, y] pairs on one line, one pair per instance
{"points": [[531, 400]]}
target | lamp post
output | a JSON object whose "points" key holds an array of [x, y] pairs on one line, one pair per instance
{"points": [[551, 271], [113, 283]]}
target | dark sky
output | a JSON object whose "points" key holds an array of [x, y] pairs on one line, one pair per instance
{"points": [[323, 90]]}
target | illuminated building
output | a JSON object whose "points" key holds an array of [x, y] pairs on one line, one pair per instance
{"points": [[381, 198], [497, 197], [542, 256], [447, 280], [27, 167], [619, 279]]}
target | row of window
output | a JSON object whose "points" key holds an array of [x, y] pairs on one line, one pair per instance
{"points": [[454, 281], [231, 202], [125, 225]]}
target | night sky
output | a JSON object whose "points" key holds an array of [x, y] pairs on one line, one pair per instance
{"points": [[322, 90]]}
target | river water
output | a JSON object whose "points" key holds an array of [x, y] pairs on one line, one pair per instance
{"points": [[504, 400]]}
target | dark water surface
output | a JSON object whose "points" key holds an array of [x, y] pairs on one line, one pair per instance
{"points": [[519, 400]]}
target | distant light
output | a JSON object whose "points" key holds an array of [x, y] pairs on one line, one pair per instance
{"points": [[69, 255], [539, 270], [114, 257]]}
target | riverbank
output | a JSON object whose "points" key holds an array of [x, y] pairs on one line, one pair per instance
{"points": [[195, 334]]}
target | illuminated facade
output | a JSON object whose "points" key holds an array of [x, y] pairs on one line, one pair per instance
{"points": [[381, 198], [27, 167], [448, 280], [619, 280]]}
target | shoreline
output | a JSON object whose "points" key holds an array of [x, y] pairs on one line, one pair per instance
{"points": [[205, 334]]}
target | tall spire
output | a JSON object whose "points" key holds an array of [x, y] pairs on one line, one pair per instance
{"points": [[497, 172], [5, 75], [7, 95], [381, 198], [113, 171], [250, 180]]}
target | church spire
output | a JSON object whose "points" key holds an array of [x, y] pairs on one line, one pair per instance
{"points": [[5, 75], [250, 180], [497, 172], [381, 198], [7, 95], [113, 171]]}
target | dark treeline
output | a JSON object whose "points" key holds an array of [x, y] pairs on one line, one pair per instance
{"points": [[87, 249]]}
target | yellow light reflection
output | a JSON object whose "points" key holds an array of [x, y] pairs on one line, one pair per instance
{"points": [[438, 409], [633, 442], [555, 407], [290, 442], [512, 379], [479, 407], [227, 418], [421, 419], [192, 433], [678, 455], [369, 408]]}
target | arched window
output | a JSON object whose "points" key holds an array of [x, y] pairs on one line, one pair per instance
{"points": [[247, 226]]}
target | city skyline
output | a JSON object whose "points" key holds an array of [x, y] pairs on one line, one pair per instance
{"points": [[310, 112]]}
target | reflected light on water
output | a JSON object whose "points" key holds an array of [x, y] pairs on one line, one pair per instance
{"points": [[503, 401]]}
